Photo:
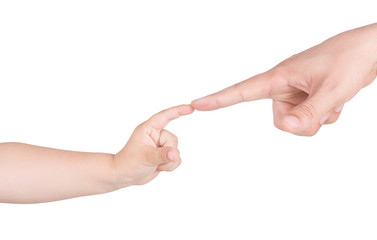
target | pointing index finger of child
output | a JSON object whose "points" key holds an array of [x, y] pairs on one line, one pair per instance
{"points": [[160, 120]]}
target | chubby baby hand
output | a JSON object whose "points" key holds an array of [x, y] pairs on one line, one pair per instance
{"points": [[150, 150]]}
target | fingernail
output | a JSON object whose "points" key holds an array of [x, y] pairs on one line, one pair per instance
{"points": [[324, 118], [171, 156], [339, 108], [292, 122]]}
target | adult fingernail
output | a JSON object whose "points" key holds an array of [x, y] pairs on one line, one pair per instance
{"points": [[171, 155], [339, 108], [324, 118], [292, 122]]}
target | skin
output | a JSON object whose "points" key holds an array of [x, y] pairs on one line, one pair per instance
{"points": [[310, 88], [32, 174], [307, 89]]}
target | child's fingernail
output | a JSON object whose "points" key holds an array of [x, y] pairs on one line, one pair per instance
{"points": [[292, 122], [171, 156], [324, 118], [339, 108]]}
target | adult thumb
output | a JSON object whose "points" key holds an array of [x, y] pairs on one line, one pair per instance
{"points": [[307, 118]]}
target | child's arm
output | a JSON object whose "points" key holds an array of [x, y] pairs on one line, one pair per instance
{"points": [[31, 174]]}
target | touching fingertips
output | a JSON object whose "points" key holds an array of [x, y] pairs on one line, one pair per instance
{"points": [[186, 109]]}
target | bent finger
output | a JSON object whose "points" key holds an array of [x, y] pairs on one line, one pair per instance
{"points": [[307, 118], [280, 110], [167, 139], [160, 120], [334, 115]]}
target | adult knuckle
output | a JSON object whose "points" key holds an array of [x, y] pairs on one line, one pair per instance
{"points": [[278, 81], [277, 73], [240, 90], [219, 102], [329, 85]]}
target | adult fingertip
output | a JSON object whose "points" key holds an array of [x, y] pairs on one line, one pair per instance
{"points": [[196, 104], [292, 123], [204, 104]]}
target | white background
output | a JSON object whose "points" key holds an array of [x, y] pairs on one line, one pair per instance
{"points": [[80, 75]]}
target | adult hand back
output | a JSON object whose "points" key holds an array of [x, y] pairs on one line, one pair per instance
{"points": [[309, 89]]}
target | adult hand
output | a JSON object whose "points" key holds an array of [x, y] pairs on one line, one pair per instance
{"points": [[309, 88]]}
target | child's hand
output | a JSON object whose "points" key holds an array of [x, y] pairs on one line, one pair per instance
{"points": [[32, 174], [150, 149]]}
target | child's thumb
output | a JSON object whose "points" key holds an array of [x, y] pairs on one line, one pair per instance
{"points": [[163, 155]]}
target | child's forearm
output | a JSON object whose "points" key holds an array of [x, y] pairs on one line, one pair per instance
{"points": [[32, 174]]}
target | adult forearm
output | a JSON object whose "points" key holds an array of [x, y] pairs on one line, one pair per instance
{"points": [[32, 174]]}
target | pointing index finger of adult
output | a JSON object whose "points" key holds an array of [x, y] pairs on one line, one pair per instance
{"points": [[254, 88], [160, 120]]}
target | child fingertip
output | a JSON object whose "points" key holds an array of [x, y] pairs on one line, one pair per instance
{"points": [[186, 109]]}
